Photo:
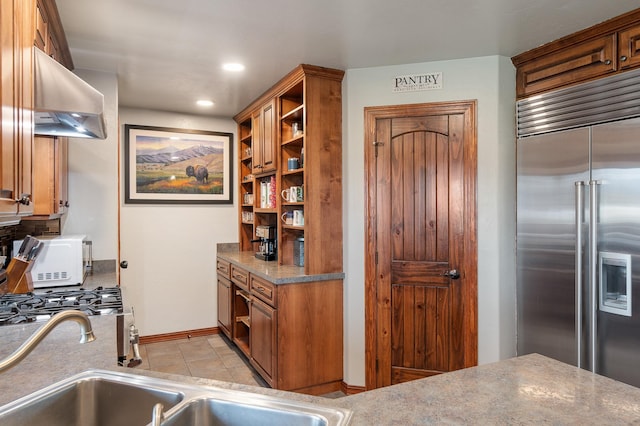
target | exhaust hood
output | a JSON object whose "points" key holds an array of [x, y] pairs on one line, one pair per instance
{"points": [[64, 104]]}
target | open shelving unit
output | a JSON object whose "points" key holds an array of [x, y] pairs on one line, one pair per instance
{"points": [[307, 118]]}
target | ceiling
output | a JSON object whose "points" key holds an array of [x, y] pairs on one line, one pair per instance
{"points": [[168, 53]]}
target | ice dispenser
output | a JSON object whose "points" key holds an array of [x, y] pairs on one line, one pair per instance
{"points": [[615, 283]]}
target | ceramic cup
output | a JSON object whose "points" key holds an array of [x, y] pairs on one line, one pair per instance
{"points": [[287, 218], [293, 163], [298, 218]]}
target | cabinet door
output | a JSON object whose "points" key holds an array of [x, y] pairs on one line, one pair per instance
{"points": [[263, 340], [62, 171], [264, 139], [50, 176], [629, 47], [268, 137], [573, 64], [256, 130], [16, 117], [224, 305]]}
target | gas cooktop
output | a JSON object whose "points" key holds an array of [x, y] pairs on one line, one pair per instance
{"points": [[33, 307]]}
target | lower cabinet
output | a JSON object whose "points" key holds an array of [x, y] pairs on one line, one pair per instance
{"points": [[263, 339], [291, 333], [224, 305]]}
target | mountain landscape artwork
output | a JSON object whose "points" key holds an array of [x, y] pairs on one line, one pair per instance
{"points": [[178, 166]]}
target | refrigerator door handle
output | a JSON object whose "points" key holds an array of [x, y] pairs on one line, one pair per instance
{"points": [[593, 273], [579, 215]]}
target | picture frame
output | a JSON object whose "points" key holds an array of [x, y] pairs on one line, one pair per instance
{"points": [[165, 165]]}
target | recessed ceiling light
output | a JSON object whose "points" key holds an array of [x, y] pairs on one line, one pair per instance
{"points": [[233, 67], [204, 103]]}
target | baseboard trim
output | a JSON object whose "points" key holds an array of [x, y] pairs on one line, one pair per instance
{"points": [[352, 390], [187, 334]]}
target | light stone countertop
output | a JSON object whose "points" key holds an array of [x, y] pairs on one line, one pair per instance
{"points": [[529, 390], [271, 271]]}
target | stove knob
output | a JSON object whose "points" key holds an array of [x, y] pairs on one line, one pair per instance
{"points": [[124, 264]]}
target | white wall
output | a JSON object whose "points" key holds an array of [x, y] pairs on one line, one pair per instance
{"points": [[490, 80], [93, 176], [171, 249]]}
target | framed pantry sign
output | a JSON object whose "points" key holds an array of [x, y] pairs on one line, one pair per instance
{"points": [[177, 166]]}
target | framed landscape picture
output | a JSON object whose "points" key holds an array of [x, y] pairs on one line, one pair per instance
{"points": [[177, 166]]}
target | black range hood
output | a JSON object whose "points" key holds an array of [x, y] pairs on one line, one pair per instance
{"points": [[64, 104]]}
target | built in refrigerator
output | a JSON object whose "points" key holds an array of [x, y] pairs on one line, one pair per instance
{"points": [[578, 226]]}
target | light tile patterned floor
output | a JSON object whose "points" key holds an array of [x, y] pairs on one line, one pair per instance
{"points": [[210, 357]]}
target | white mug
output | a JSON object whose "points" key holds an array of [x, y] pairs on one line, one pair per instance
{"points": [[296, 194], [298, 218], [287, 218]]}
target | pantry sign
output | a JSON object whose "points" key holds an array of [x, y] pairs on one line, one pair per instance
{"points": [[417, 82]]}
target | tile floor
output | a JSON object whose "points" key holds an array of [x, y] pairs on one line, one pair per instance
{"points": [[210, 357]]}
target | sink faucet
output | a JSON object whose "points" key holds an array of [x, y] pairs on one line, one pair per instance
{"points": [[86, 336]]}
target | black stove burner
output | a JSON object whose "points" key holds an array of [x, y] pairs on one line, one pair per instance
{"points": [[32, 307]]}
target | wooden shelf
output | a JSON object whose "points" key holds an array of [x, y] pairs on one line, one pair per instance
{"points": [[243, 294], [293, 140], [244, 320], [293, 172], [294, 115]]}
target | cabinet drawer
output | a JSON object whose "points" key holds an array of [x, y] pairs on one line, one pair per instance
{"points": [[222, 266], [576, 63], [240, 277], [264, 290], [629, 47]]}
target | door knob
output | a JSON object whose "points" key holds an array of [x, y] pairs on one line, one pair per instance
{"points": [[124, 264], [453, 274]]}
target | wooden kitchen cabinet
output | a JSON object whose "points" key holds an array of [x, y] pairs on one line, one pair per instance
{"points": [[607, 48], [311, 97], [25, 24], [49, 34], [224, 305], [264, 139], [225, 298], [290, 333], [17, 20], [263, 340], [50, 177]]}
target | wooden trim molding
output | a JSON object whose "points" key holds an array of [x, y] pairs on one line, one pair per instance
{"points": [[187, 334]]}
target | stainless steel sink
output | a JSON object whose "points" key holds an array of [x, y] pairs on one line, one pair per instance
{"points": [[105, 398]]}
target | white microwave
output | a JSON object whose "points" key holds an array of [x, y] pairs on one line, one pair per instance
{"points": [[63, 261]]}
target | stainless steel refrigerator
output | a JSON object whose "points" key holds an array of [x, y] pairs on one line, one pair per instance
{"points": [[578, 226]]}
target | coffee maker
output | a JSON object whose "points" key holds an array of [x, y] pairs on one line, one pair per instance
{"points": [[266, 236]]}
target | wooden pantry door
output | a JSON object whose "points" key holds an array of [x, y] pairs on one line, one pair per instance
{"points": [[421, 251]]}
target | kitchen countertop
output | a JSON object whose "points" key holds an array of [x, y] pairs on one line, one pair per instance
{"points": [[271, 271], [531, 389]]}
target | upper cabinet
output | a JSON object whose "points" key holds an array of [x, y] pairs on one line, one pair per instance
{"points": [[610, 47], [17, 20], [49, 34], [290, 163], [50, 177], [264, 139]]}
